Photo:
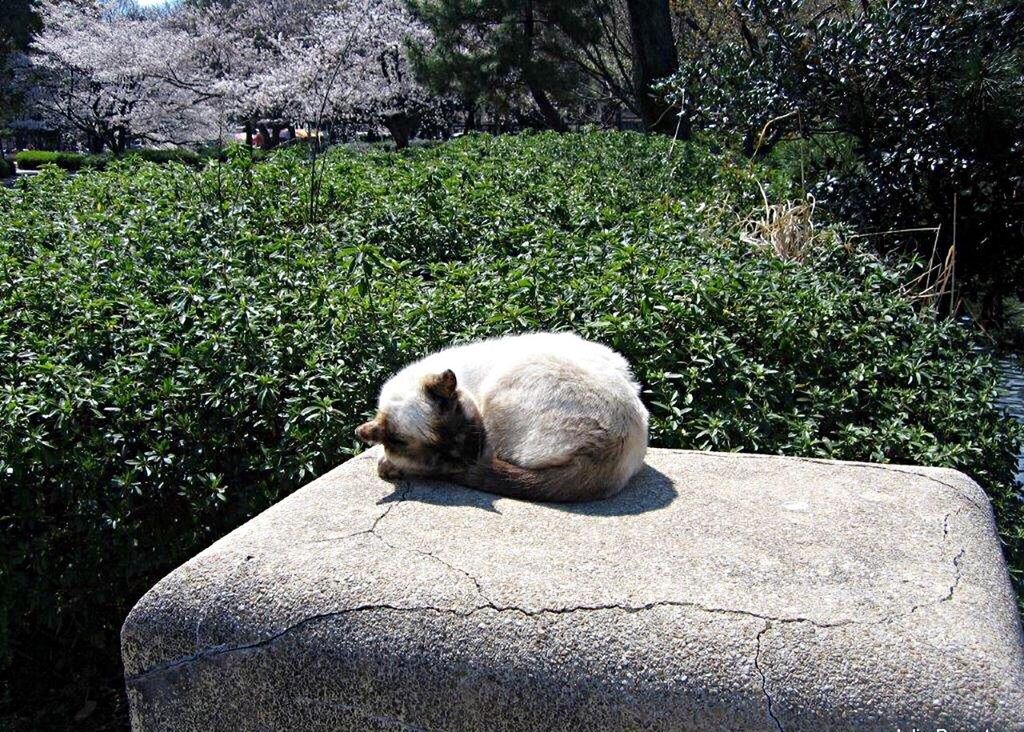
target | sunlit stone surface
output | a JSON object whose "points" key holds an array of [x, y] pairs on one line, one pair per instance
{"points": [[718, 591]]}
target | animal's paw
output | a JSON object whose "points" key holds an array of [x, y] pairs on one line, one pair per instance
{"points": [[388, 470]]}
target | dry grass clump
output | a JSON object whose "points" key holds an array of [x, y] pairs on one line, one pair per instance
{"points": [[937, 283], [934, 289], [786, 229]]}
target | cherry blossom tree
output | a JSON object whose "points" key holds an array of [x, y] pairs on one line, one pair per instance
{"points": [[318, 62], [117, 75]]}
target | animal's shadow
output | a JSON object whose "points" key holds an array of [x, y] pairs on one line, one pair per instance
{"points": [[649, 490]]}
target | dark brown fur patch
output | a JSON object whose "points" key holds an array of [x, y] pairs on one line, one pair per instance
{"points": [[562, 483], [441, 386], [459, 432], [374, 431]]}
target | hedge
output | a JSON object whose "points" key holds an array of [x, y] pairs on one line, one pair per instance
{"points": [[180, 348], [71, 161]]}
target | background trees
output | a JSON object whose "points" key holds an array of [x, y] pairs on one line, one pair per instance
{"points": [[115, 76], [654, 58], [562, 56], [18, 23], [490, 51], [897, 115], [323, 63]]}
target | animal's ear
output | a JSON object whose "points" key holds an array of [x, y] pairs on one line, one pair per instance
{"points": [[372, 432], [441, 385]]}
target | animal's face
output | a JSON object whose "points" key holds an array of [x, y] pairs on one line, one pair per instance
{"points": [[434, 431]]}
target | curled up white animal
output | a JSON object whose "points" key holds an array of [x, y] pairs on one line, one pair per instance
{"points": [[542, 416]]}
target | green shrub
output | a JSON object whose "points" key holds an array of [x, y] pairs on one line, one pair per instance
{"points": [[173, 155], [36, 159], [70, 161], [6, 168], [924, 97], [223, 153], [180, 348]]}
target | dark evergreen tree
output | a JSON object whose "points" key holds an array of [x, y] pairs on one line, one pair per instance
{"points": [[654, 58], [496, 50], [18, 23]]}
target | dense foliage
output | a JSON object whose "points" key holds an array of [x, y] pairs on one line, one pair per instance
{"points": [[71, 161], [493, 51], [179, 348], [910, 113], [6, 168]]}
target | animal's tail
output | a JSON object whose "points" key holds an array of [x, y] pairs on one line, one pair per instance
{"points": [[570, 481]]}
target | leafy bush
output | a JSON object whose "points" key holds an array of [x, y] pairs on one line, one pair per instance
{"points": [[225, 153], [172, 155], [36, 159], [6, 167], [924, 97], [180, 348], [71, 161]]}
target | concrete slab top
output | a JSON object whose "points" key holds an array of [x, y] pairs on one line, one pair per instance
{"points": [[718, 591]]}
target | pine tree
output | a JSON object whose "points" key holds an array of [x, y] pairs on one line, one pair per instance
{"points": [[18, 23], [496, 50], [654, 58]]}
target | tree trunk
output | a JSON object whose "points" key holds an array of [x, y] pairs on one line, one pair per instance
{"points": [[402, 127], [266, 136], [120, 141], [654, 58], [547, 110]]}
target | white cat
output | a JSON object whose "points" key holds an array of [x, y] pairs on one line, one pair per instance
{"points": [[544, 416]]}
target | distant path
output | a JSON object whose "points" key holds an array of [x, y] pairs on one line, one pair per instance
{"points": [[19, 173]]}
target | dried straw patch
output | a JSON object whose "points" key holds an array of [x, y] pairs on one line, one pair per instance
{"points": [[786, 229], [936, 284]]}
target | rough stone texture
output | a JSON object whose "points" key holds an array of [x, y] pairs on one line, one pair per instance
{"points": [[718, 591]]}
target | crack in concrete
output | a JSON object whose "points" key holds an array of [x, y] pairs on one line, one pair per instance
{"points": [[490, 605], [452, 567], [222, 649], [956, 577], [403, 492], [904, 469], [373, 531], [201, 615], [379, 718], [764, 677], [957, 570], [762, 668], [470, 611]]}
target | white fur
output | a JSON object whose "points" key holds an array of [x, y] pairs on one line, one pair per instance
{"points": [[523, 378]]}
